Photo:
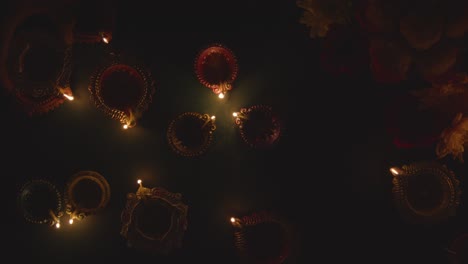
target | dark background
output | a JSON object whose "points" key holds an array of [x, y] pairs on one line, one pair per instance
{"points": [[328, 176]]}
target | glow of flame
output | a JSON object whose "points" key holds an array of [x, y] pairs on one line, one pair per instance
{"points": [[213, 117], [69, 97], [70, 221], [395, 171], [233, 220], [125, 126], [57, 225], [220, 95], [105, 40], [139, 181], [235, 114]]}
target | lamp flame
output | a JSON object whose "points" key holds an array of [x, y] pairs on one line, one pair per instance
{"points": [[70, 221], [395, 171], [57, 225], [213, 117], [69, 97], [221, 95], [233, 220], [105, 40], [125, 126], [235, 114]]}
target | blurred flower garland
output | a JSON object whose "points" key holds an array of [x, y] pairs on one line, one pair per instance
{"points": [[413, 40], [403, 36], [320, 15]]}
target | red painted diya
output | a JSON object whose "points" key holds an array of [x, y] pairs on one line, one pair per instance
{"points": [[191, 134], [261, 238], [259, 126], [154, 220], [38, 64], [459, 250], [40, 202], [122, 91], [425, 192], [86, 193], [216, 68]]}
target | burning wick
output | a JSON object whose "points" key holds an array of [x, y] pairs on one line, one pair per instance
{"points": [[55, 219], [70, 221], [221, 95], [104, 38], [236, 222], [69, 97], [142, 191], [395, 171], [209, 119], [129, 120], [239, 115]]}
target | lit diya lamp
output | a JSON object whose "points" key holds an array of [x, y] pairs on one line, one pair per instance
{"points": [[154, 220], [261, 238], [458, 250], [216, 68], [259, 126], [122, 91], [40, 203], [86, 193], [191, 134], [95, 22], [37, 62], [425, 192]]}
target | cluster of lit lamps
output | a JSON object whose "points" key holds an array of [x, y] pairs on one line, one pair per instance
{"points": [[190, 134]]}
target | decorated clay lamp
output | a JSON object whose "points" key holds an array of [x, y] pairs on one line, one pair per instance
{"points": [[261, 238], [41, 203], [216, 68], [191, 134], [259, 126], [425, 192], [86, 193], [154, 220], [122, 91], [37, 55]]}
